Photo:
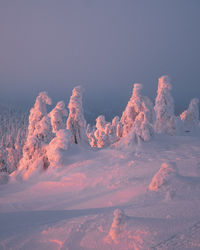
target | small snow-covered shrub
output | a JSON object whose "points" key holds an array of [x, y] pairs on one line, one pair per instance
{"points": [[163, 176], [118, 219]]}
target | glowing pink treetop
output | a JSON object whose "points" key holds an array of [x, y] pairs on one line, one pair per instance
{"points": [[57, 115], [76, 122], [190, 117]]}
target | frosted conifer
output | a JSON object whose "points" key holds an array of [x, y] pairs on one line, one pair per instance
{"points": [[76, 122], [166, 122], [137, 104], [190, 117], [57, 115]]}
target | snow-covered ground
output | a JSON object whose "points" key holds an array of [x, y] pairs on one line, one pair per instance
{"points": [[145, 196]]}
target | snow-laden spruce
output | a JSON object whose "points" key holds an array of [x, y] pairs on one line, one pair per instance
{"points": [[142, 128], [39, 135], [166, 121], [190, 117], [139, 115], [57, 115], [76, 122], [13, 129]]}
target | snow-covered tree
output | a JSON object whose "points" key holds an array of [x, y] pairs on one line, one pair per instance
{"points": [[76, 122], [190, 117], [58, 146], [162, 178], [3, 160], [119, 218], [39, 135], [117, 128], [57, 115], [166, 122], [137, 104], [91, 137], [13, 129], [38, 111], [12, 158], [3, 167], [142, 128], [101, 132]]}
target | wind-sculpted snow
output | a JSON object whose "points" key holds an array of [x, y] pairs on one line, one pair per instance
{"points": [[129, 183], [99, 199]]}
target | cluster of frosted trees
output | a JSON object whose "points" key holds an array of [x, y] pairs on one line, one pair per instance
{"points": [[49, 137], [13, 126]]}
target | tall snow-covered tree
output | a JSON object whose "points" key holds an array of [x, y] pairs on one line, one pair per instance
{"points": [[38, 111], [190, 117], [166, 121], [39, 135], [57, 115], [76, 122], [137, 104]]}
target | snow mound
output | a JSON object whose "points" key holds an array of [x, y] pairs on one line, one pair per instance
{"points": [[118, 220], [163, 176]]}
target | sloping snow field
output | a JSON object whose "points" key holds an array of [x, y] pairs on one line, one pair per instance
{"points": [[134, 197]]}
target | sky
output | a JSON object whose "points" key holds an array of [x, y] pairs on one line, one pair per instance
{"points": [[103, 45]]}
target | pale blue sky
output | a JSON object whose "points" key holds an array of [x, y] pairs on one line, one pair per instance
{"points": [[105, 45]]}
